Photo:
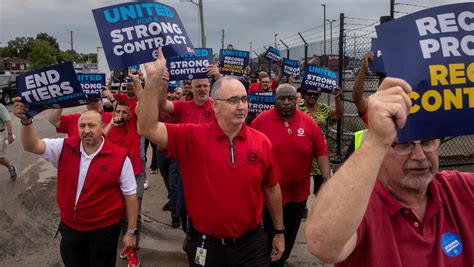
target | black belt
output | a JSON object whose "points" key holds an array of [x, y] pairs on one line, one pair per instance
{"points": [[224, 241]]}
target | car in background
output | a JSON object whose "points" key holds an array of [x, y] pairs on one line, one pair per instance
{"points": [[7, 88]]}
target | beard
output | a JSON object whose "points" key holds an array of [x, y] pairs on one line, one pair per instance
{"points": [[416, 183]]}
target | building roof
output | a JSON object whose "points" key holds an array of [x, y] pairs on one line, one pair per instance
{"points": [[14, 60]]}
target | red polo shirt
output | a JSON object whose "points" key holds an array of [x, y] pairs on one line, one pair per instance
{"points": [[391, 235], [190, 112], [69, 123], [127, 137], [223, 199], [294, 148], [257, 87]]}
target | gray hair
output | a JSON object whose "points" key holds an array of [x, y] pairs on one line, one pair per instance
{"points": [[285, 86], [216, 87]]}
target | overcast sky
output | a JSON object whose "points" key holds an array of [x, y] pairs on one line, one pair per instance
{"points": [[244, 21]]}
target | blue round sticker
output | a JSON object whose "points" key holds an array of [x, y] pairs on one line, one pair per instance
{"points": [[451, 244]]}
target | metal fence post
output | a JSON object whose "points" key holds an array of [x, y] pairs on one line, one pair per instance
{"points": [[341, 72], [287, 49], [305, 50]]}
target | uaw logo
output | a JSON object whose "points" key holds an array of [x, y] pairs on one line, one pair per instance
{"points": [[252, 157], [190, 76], [207, 113], [104, 168], [300, 132]]}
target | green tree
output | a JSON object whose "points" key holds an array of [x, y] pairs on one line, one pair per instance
{"points": [[7, 52], [68, 55], [21, 46], [41, 54], [50, 39]]}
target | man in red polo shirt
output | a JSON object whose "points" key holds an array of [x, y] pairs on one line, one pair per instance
{"points": [[388, 205], [122, 131], [68, 123], [198, 110], [265, 83], [230, 171], [296, 139]]}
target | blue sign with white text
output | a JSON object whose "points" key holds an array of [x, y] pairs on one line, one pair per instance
{"points": [[92, 84], [319, 79], [131, 33], [377, 64], [291, 68], [273, 54], [51, 87], [233, 62], [190, 66], [433, 50], [261, 101]]}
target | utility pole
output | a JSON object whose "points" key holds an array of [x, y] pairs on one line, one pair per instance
{"points": [[72, 41], [392, 8], [222, 39], [276, 34], [324, 9], [330, 26], [250, 51], [201, 20]]}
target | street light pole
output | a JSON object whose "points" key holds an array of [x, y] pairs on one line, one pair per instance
{"points": [[324, 8], [202, 35], [330, 26]]}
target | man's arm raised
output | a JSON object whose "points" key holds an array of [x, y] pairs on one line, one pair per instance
{"points": [[163, 102], [148, 110], [358, 89], [331, 230]]}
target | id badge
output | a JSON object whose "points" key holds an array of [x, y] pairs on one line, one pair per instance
{"points": [[200, 256]]}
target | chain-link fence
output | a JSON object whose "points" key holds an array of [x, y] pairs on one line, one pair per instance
{"points": [[344, 55]]}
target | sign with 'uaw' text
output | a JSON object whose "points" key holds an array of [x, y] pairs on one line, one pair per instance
{"points": [[291, 68], [433, 50], [319, 79], [51, 87], [131, 33], [377, 64], [273, 54], [261, 101], [233, 62], [92, 84], [190, 67]]}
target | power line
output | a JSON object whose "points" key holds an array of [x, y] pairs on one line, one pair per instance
{"points": [[412, 5]]}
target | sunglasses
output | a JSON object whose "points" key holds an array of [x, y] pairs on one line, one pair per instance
{"points": [[312, 94]]}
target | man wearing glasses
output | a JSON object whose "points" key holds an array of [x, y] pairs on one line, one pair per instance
{"points": [[296, 138], [228, 172], [388, 205]]}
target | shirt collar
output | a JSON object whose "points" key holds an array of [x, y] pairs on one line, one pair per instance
{"points": [[204, 105], [218, 133], [294, 118], [91, 156], [393, 205]]}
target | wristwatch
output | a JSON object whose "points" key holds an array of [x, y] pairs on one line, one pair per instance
{"points": [[132, 231], [280, 232]]}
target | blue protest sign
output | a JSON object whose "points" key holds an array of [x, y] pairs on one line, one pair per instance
{"points": [[432, 50], [319, 79], [261, 101], [291, 68], [273, 54], [377, 64], [233, 62], [131, 33], [190, 66], [51, 87], [92, 84]]}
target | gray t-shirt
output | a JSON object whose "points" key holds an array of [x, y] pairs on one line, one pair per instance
{"points": [[4, 117]]}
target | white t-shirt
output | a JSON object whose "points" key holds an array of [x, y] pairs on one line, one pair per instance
{"points": [[128, 184]]}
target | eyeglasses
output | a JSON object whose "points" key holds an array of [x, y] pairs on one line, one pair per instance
{"points": [[407, 148], [283, 97], [234, 100], [288, 129], [312, 94]]}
